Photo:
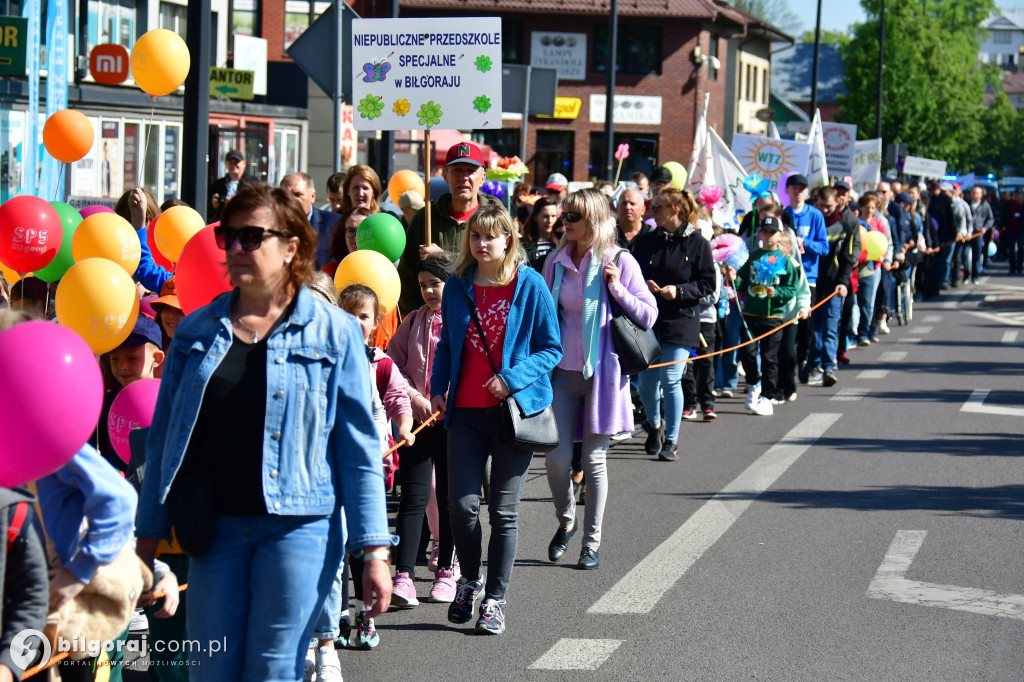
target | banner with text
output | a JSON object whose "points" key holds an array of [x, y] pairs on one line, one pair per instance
{"points": [[867, 165], [839, 150], [416, 74], [772, 159], [925, 168]]}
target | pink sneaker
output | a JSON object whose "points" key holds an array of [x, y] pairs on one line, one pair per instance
{"points": [[443, 591], [403, 592]]}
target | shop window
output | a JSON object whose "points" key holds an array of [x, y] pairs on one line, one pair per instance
{"points": [[286, 153], [174, 17], [643, 154], [554, 154], [511, 42], [638, 47], [764, 89], [243, 18], [111, 21], [504, 142], [713, 52], [298, 16]]}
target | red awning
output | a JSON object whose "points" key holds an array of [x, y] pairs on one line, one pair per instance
{"points": [[443, 140]]}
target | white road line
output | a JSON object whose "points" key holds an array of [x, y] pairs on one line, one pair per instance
{"points": [[576, 654], [643, 586], [924, 331], [890, 582], [976, 404], [955, 303], [1009, 321], [932, 319], [892, 356], [873, 374], [851, 394], [909, 340], [1009, 337]]}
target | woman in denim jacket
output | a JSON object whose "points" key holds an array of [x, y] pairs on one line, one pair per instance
{"points": [[262, 434], [520, 331]]}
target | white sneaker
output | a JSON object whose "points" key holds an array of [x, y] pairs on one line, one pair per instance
{"points": [[753, 396], [621, 436], [763, 408], [328, 665], [309, 667], [883, 327]]}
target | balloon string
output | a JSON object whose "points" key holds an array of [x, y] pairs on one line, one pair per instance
{"points": [[145, 146], [60, 176]]}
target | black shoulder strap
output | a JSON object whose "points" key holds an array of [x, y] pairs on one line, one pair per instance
{"points": [[616, 308]]}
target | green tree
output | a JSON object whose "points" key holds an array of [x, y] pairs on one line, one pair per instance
{"points": [[775, 12], [933, 91], [999, 141], [828, 37]]}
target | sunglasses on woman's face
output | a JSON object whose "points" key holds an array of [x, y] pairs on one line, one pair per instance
{"points": [[571, 217], [249, 237]]}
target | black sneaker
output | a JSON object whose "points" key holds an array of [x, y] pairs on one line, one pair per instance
{"points": [[461, 610], [492, 617], [668, 453], [828, 379], [655, 438]]}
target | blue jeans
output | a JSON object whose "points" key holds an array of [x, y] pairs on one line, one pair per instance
{"points": [[866, 303], [329, 621], [473, 435], [946, 256], [258, 592], [825, 336], [728, 369], [669, 378]]}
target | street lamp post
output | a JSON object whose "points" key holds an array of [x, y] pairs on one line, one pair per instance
{"points": [[609, 104]]}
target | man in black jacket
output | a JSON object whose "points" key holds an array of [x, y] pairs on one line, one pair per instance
{"points": [[324, 223], [834, 271], [25, 587], [940, 208], [228, 186]]}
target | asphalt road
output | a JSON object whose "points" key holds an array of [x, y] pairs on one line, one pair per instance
{"points": [[871, 531]]}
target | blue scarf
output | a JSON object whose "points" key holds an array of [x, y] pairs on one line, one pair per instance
{"points": [[593, 292]]}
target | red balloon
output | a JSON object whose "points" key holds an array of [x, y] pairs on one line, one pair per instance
{"points": [[201, 273], [158, 258], [30, 233]]}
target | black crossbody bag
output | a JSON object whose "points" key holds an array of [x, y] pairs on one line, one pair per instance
{"points": [[637, 348], [536, 433]]}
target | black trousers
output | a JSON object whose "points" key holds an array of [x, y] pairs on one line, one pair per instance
{"points": [[786, 384], [699, 383], [769, 374], [430, 451]]}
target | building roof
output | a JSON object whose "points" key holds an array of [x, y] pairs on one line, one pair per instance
{"points": [[1013, 83], [793, 68], [1007, 19], [756, 25], [684, 9]]}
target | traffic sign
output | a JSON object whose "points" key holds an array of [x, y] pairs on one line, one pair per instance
{"points": [[231, 83], [109, 64], [13, 44]]}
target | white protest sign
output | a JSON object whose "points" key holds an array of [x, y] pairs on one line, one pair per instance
{"points": [[867, 165], [839, 141], [416, 74], [925, 168], [729, 175], [773, 159]]}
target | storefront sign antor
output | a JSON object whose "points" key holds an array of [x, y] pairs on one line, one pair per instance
{"points": [[231, 83], [769, 158], [566, 107], [637, 109], [839, 146], [566, 52], [416, 74], [13, 45]]}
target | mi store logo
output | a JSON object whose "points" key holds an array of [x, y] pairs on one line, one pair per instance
{"points": [[108, 64]]}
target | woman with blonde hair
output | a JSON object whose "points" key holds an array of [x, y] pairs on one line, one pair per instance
{"points": [[499, 338], [677, 263], [585, 273]]}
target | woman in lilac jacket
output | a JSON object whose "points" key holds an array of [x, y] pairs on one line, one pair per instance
{"points": [[588, 383]]}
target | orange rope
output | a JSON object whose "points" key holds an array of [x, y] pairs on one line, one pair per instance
{"points": [[745, 343], [54, 660]]}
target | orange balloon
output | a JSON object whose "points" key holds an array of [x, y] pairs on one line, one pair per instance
{"points": [[107, 235], [174, 227], [10, 275], [403, 181], [68, 135], [97, 299], [160, 62]]}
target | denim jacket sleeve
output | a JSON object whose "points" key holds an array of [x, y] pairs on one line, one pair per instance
{"points": [[87, 488], [355, 447], [540, 322]]}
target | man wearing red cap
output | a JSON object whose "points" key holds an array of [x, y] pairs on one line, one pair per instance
{"points": [[464, 172]]}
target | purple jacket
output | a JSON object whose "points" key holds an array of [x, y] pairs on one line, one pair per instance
{"points": [[611, 409]]}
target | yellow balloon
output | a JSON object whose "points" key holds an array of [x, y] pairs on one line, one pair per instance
{"points": [[876, 245], [374, 270], [174, 227], [160, 62], [678, 174], [107, 235], [96, 299], [102, 667], [10, 275]]}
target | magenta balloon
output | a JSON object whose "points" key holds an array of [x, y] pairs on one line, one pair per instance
{"points": [[53, 396], [132, 409], [95, 208]]}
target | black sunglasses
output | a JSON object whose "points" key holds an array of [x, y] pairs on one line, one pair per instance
{"points": [[571, 217], [249, 237]]}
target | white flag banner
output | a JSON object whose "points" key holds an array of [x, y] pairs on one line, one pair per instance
{"points": [[772, 159], [730, 173], [867, 165], [773, 131], [817, 165], [700, 173], [839, 141]]}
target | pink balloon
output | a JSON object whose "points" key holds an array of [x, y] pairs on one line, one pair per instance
{"points": [[132, 409], [95, 208], [53, 396]]}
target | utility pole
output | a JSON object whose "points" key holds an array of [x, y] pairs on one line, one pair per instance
{"points": [[195, 134], [881, 69], [814, 70], [609, 105]]}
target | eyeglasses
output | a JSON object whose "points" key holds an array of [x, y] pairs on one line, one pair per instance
{"points": [[657, 207], [571, 217], [351, 232], [249, 237]]}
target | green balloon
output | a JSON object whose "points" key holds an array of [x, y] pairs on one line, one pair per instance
{"points": [[383, 233], [70, 219]]}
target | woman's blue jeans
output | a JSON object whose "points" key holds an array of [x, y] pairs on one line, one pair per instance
{"points": [[667, 378], [254, 596], [866, 304], [727, 374]]}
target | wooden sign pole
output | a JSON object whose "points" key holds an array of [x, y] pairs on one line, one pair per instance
{"points": [[427, 170]]}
